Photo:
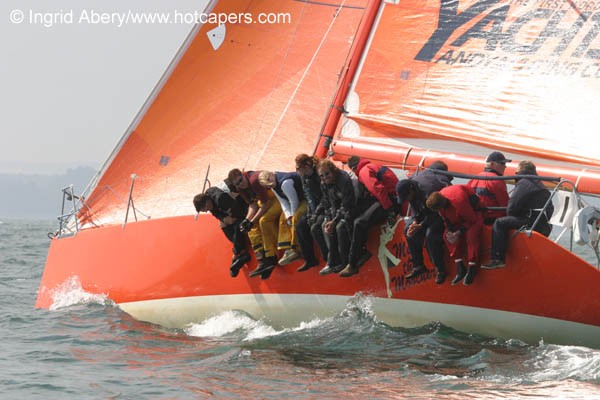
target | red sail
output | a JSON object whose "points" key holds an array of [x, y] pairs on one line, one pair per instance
{"points": [[254, 102], [516, 76]]}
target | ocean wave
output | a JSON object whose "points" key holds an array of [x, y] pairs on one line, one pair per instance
{"points": [[70, 293]]}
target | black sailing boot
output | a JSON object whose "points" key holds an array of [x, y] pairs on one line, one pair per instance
{"points": [[471, 271], [460, 272], [441, 276]]}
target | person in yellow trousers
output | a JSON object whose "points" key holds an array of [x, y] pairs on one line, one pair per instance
{"points": [[262, 219], [287, 187]]}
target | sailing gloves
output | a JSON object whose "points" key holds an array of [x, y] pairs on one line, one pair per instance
{"points": [[245, 225]]}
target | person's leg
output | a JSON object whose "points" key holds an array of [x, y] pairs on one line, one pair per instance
{"points": [[434, 241], [374, 215], [269, 223], [316, 231], [500, 240], [415, 248], [305, 242]]}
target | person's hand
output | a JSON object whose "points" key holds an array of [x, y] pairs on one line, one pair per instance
{"points": [[413, 229], [245, 225], [328, 227]]}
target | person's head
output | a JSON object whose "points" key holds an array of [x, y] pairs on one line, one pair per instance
{"points": [[305, 164], [326, 170], [236, 178], [353, 162], [405, 190], [436, 201], [266, 179], [496, 161], [526, 167], [202, 203], [438, 165]]}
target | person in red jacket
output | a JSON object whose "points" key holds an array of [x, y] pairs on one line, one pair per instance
{"points": [[381, 183], [492, 193], [457, 206]]}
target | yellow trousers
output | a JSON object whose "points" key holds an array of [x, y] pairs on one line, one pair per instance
{"points": [[287, 237]]}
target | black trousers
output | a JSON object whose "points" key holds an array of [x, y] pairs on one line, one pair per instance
{"points": [[236, 237], [500, 234], [432, 236], [374, 215], [308, 229], [338, 243]]}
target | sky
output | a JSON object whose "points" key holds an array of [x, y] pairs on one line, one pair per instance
{"points": [[72, 82]]}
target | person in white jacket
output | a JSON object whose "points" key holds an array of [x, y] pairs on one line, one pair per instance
{"points": [[287, 187]]}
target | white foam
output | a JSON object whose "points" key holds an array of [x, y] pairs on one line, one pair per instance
{"points": [[226, 323], [70, 293], [232, 321], [563, 362]]}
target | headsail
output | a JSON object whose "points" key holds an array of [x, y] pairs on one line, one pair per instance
{"points": [[255, 101], [521, 76]]}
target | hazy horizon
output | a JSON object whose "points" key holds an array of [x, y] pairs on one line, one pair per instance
{"points": [[72, 87]]}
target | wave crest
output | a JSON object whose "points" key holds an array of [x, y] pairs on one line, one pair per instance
{"points": [[70, 293]]}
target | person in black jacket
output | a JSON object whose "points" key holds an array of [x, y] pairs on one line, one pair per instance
{"points": [[527, 198], [230, 214], [337, 205], [425, 227], [309, 225]]}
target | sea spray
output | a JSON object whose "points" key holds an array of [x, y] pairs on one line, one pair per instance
{"points": [[70, 292]]}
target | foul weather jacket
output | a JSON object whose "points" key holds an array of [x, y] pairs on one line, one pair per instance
{"points": [[380, 182], [492, 193], [527, 196], [461, 216]]}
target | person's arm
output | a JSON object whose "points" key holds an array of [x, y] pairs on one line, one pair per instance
{"points": [[368, 176], [289, 205]]}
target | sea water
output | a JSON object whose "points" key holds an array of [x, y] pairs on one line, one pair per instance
{"points": [[87, 348]]}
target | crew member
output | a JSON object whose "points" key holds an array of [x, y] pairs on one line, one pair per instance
{"points": [[287, 187], [381, 183], [230, 214], [527, 199], [457, 206], [425, 227], [492, 193]]}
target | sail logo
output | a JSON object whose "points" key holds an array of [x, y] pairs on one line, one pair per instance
{"points": [[565, 31]]}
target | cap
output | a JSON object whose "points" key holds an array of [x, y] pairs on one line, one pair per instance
{"points": [[498, 157], [403, 189]]}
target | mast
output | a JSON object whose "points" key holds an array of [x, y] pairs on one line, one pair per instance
{"points": [[365, 30]]}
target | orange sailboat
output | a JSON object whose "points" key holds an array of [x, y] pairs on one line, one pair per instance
{"points": [[404, 83]]}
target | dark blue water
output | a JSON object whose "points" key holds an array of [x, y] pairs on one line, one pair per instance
{"points": [[87, 348]]}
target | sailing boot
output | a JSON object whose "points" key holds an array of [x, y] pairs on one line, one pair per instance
{"points": [[308, 265], [349, 271], [418, 270], [267, 264], [441, 277], [238, 262], [471, 272], [460, 272]]}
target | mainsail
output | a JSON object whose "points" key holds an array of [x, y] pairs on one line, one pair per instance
{"points": [[520, 76], [255, 100]]}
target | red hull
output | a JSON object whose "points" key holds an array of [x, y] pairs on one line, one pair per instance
{"points": [[182, 257]]}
